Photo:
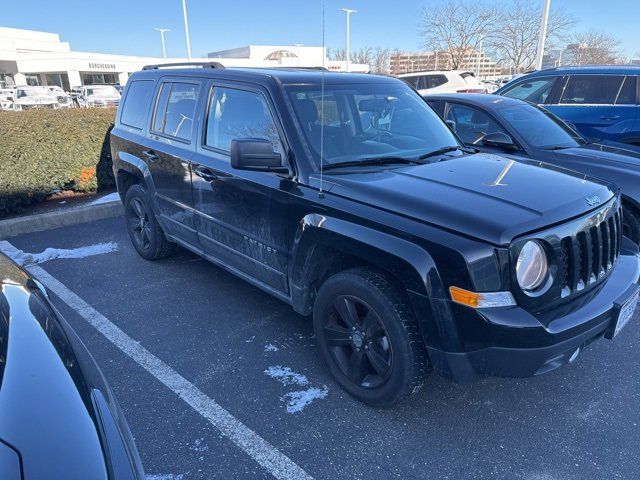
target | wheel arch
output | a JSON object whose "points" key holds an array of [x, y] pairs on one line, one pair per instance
{"points": [[130, 170], [325, 245]]}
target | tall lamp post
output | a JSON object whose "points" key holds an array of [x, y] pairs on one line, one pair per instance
{"points": [[186, 28], [348, 12], [162, 32], [543, 33]]}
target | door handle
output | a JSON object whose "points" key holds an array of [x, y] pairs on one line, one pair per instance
{"points": [[610, 117], [150, 155], [206, 174]]}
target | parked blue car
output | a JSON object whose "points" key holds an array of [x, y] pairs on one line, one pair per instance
{"points": [[602, 102]]}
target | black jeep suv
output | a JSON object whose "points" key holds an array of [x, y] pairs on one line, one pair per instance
{"points": [[347, 197]]}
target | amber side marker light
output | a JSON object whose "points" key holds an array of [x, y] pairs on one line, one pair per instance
{"points": [[481, 300]]}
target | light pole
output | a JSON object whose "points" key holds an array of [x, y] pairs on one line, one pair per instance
{"points": [[348, 12], [162, 32], [298, 45], [478, 63], [186, 28], [543, 33]]}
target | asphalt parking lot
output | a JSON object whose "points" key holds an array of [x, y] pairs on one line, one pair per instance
{"points": [[252, 356]]}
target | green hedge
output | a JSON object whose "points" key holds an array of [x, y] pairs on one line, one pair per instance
{"points": [[44, 151]]}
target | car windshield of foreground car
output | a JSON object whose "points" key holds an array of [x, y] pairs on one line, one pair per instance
{"points": [[33, 92], [383, 123], [102, 91], [539, 128]]}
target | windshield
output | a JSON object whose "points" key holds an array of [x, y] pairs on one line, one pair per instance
{"points": [[539, 128], [364, 121], [102, 90], [33, 92]]}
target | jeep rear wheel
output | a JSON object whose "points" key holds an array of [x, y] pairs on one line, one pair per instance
{"points": [[146, 234], [369, 338]]}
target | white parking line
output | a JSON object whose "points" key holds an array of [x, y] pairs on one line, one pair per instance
{"points": [[269, 457]]}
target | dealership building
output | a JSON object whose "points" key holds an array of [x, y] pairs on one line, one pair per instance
{"points": [[30, 57]]}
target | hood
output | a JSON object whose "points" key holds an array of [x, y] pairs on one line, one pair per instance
{"points": [[35, 100], [46, 414], [613, 154], [484, 196]]}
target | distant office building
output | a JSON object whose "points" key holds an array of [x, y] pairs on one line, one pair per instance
{"points": [[282, 56], [474, 61]]}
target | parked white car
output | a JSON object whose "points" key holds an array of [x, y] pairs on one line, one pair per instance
{"points": [[34, 97], [97, 96], [64, 99], [445, 81], [6, 99]]}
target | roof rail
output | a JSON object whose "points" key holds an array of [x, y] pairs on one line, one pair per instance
{"points": [[302, 68], [184, 64]]}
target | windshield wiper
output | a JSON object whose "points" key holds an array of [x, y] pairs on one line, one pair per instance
{"points": [[444, 150], [370, 161], [555, 147]]}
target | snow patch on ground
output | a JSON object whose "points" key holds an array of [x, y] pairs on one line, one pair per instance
{"points": [[297, 400], [286, 376], [24, 258], [112, 197], [165, 477], [199, 445], [270, 348]]}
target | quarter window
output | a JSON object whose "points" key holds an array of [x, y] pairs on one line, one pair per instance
{"points": [[175, 109], [136, 103], [627, 95], [592, 90], [239, 114]]}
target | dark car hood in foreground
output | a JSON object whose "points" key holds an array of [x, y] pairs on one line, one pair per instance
{"points": [[485, 196], [46, 412]]}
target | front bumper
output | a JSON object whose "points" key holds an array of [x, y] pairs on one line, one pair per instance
{"points": [[523, 345]]}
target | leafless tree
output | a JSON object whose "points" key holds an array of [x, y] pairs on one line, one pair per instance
{"points": [[594, 47], [362, 55], [381, 60], [337, 54], [456, 27], [514, 34]]}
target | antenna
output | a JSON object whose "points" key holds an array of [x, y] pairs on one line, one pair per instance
{"points": [[321, 194]]}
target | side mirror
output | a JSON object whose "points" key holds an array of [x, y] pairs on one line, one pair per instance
{"points": [[499, 140], [451, 124], [256, 154]]}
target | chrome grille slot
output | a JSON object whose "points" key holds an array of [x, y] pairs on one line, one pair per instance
{"points": [[589, 254]]}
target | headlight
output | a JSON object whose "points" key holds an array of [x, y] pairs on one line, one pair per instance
{"points": [[532, 266]]}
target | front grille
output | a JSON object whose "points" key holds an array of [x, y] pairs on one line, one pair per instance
{"points": [[588, 255]]}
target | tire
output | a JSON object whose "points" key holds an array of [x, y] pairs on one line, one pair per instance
{"points": [[631, 223], [145, 233], [369, 338]]}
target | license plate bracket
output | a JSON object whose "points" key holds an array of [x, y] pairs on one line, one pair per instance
{"points": [[623, 311]]}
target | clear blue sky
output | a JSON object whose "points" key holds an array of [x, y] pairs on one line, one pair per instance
{"points": [[126, 26]]}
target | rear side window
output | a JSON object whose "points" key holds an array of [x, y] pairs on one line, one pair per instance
{"points": [[175, 109], [535, 91], [136, 103], [434, 81], [239, 114], [592, 90], [627, 95]]}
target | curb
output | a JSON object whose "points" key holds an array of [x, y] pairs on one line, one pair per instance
{"points": [[48, 221]]}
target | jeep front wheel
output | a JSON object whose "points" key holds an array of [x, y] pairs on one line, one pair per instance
{"points": [[369, 338]]}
